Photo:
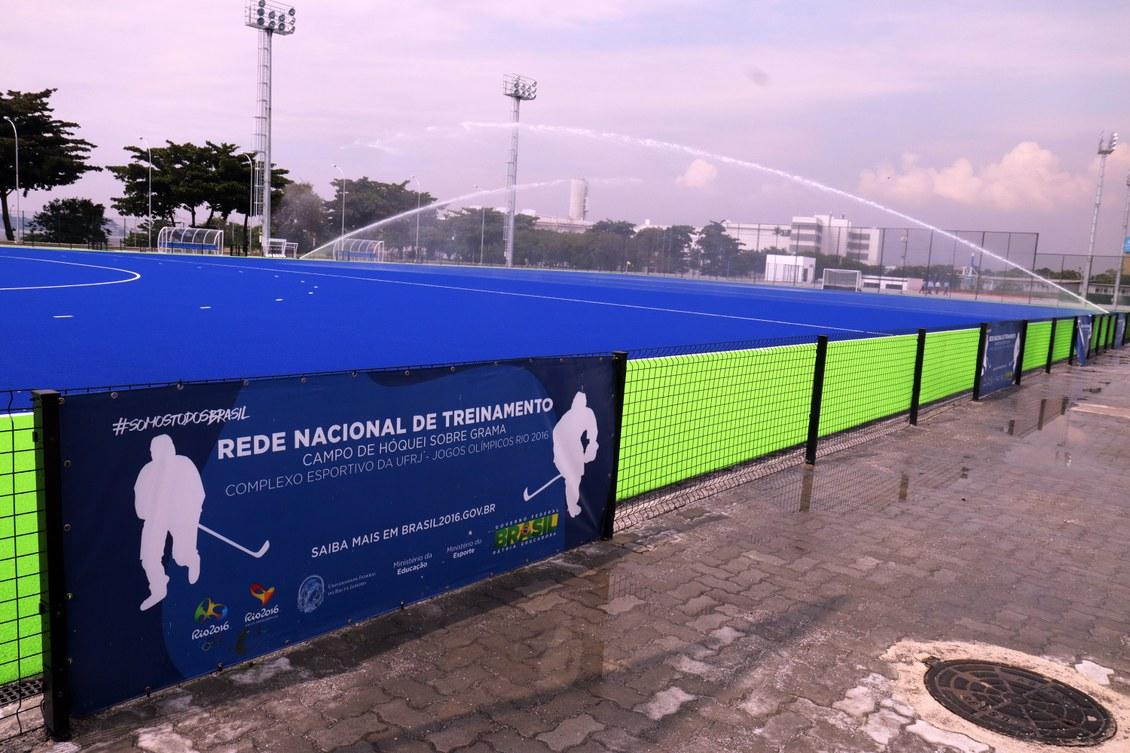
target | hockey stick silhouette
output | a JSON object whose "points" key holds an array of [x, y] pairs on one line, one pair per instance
{"points": [[527, 495], [226, 540]]}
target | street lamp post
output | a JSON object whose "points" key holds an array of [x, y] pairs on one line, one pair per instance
{"points": [[342, 172], [149, 220], [482, 230], [19, 215], [416, 247], [1104, 152], [1123, 256], [250, 198]]}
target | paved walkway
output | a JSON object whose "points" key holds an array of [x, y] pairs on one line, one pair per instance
{"points": [[767, 617]]}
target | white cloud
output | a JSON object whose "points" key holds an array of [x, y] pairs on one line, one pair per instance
{"points": [[699, 174], [1028, 177]]}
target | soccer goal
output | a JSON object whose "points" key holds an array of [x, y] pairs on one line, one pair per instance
{"points": [[842, 279], [191, 240]]}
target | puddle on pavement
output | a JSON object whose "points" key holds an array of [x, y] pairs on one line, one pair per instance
{"points": [[1037, 416]]}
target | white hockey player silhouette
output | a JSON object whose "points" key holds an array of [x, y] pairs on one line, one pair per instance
{"points": [[169, 497], [574, 444]]}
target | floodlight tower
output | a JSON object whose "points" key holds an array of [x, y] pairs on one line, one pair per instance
{"points": [[269, 18], [1104, 152], [518, 88], [1125, 247]]}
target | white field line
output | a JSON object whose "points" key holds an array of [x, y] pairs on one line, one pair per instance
{"points": [[536, 296], [136, 275]]}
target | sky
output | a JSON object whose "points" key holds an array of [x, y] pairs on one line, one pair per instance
{"points": [[966, 115]]}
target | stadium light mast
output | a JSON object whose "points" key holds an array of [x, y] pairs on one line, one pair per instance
{"points": [[19, 215], [149, 219], [518, 88], [269, 18], [1125, 246], [1104, 152]]}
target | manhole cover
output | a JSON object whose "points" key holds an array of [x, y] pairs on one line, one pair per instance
{"points": [[1019, 703]]}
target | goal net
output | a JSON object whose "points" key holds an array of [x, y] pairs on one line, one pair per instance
{"points": [[842, 279], [190, 240]]}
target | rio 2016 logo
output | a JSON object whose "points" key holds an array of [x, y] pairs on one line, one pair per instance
{"points": [[210, 610], [262, 593]]}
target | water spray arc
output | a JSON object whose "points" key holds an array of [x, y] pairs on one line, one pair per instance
{"points": [[518, 88], [428, 207], [269, 18], [618, 138]]}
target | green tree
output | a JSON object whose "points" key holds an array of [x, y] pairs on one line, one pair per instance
{"points": [[662, 250], [716, 250], [71, 221], [50, 155], [301, 217], [369, 201], [213, 178]]}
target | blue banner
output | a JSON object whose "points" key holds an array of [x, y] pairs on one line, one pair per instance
{"points": [[1002, 353], [213, 523], [1083, 338], [1120, 330]]}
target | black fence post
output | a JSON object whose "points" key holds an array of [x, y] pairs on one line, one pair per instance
{"points": [[1023, 335], [620, 377], [56, 675], [1051, 349], [982, 343], [916, 386], [1074, 339], [817, 396]]}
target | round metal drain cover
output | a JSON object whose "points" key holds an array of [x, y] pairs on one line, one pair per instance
{"points": [[1019, 703]]}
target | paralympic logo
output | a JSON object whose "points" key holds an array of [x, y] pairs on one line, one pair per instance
{"points": [[210, 610], [262, 593]]}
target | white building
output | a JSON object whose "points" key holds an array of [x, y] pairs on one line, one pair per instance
{"points": [[757, 236], [816, 234], [795, 270]]}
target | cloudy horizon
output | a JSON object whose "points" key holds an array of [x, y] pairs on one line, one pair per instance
{"points": [[964, 117]]}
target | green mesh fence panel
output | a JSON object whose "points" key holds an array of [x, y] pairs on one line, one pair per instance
{"points": [[948, 364], [689, 415], [1063, 331], [865, 380], [21, 645], [1036, 345]]}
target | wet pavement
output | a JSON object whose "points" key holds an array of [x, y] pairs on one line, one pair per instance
{"points": [[768, 617]]}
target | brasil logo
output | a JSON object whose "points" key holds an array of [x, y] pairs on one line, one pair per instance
{"points": [[210, 610], [526, 530], [261, 593]]}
